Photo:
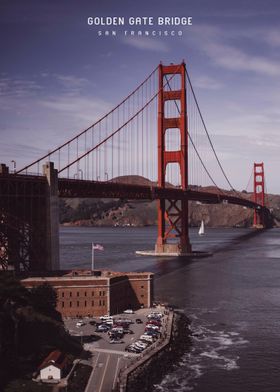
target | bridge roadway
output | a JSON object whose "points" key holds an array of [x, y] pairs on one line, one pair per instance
{"points": [[72, 188], [83, 188]]}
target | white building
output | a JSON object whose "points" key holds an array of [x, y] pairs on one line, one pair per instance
{"points": [[53, 366]]}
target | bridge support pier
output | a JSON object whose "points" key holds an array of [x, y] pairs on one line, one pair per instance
{"points": [[173, 224]]}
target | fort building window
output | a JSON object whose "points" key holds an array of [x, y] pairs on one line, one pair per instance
{"points": [[100, 302], [100, 293], [92, 293], [85, 303], [78, 303], [70, 294], [78, 294], [85, 293], [92, 303], [62, 294], [62, 304], [70, 304]]}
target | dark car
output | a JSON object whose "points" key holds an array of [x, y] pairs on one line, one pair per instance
{"points": [[102, 328], [139, 321]]}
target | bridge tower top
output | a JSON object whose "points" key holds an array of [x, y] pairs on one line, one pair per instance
{"points": [[259, 193]]}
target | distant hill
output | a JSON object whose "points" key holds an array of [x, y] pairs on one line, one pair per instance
{"points": [[116, 212]]}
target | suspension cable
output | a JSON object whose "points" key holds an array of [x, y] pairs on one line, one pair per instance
{"points": [[207, 133], [88, 128], [122, 126]]}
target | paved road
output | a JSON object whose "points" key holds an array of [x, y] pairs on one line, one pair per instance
{"points": [[106, 366]]}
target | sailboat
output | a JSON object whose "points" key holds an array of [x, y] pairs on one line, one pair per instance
{"points": [[201, 229]]}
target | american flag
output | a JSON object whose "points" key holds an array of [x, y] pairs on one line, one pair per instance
{"points": [[97, 246]]}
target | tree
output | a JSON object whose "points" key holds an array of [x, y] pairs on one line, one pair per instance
{"points": [[43, 299]]}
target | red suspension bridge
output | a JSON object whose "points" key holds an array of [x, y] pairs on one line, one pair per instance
{"points": [[156, 134]]}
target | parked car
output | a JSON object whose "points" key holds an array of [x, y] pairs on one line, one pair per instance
{"points": [[141, 344], [147, 338], [118, 329], [80, 324], [128, 311], [102, 328], [132, 349], [114, 341], [106, 317], [115, 335], [152, 326], [151, 332], [155, 315], [124, 320], [139, 321], [128, 331]]}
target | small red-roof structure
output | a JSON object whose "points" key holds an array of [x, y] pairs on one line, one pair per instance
{"points": [[53, 365]]}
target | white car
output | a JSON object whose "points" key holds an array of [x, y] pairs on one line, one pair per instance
{"points": [[106, 317], [147, 338], [80, 324], [128, 311], [152, 326], [141, 345]]}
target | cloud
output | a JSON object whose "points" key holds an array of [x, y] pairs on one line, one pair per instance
{"points": [[18, 87], [224, 49], [236, 60], [205, 82], [146, 43], [71, 82], [87, 109]]}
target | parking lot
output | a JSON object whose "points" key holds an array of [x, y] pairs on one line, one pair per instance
{"points": [[108, 358], [92, 339]]}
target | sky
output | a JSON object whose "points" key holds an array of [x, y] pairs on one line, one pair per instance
{"points": [[57, 76]]}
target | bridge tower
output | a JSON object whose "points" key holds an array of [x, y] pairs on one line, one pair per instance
{"points": [[173, 234], [259, 194]]}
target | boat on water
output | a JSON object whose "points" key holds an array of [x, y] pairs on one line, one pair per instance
{"points": [[201, 230]]}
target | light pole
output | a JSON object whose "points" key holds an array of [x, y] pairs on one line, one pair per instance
{"points": [[82, 174], [106, 176]]}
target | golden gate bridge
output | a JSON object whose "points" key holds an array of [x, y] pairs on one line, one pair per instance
{"points": [[153, 145]]}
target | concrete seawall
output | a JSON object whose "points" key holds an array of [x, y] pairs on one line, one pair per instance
{"points": [[150, 367]]}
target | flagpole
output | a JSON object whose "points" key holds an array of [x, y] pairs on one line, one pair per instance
{"points": [[92, 257]]}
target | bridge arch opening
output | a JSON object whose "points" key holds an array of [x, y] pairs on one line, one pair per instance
{"points": [[172, 82], [172, 139], [173, 175], [172, 108]]}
